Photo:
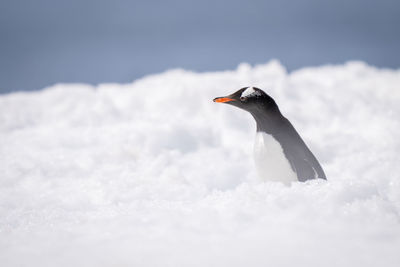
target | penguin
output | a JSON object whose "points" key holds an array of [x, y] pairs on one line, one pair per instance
{"points": [[280, 154]]}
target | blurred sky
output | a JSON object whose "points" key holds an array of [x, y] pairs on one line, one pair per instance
{"points": [[49, 41]]}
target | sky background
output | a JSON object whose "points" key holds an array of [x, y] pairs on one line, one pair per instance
{"points": [[44, 42]]}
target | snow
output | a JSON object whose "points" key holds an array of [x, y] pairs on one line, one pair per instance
{"points": [[153, 173]]}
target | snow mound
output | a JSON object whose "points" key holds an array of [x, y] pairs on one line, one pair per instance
{"points": [[153, 173]]}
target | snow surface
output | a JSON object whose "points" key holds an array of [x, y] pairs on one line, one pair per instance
{"points": [[153, 173]]}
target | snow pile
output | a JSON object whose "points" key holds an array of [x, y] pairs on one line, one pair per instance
{"points": [[154, 173]]}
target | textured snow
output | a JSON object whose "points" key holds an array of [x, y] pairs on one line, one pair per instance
{"points": [[153, 173]]}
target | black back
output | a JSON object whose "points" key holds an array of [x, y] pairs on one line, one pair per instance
{"points": [[301, 159]]}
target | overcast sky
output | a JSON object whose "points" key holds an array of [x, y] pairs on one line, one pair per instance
{"points": [[48, 41]]}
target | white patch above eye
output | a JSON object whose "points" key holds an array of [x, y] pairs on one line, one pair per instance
{"points": [[250, 91]]}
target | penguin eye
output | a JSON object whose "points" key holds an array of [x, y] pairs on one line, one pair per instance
{"points": [[242, 98]]}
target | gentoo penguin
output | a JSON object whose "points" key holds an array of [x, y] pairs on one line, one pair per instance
{"points": [[279, 152]]}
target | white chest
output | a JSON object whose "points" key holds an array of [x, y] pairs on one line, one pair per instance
{"points": [[270, 161]]}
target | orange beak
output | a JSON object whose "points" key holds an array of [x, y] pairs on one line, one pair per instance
{"points": [[223, 99]]}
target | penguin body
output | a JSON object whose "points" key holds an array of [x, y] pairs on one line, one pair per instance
{"points": [[270, 160], [279, 152]]}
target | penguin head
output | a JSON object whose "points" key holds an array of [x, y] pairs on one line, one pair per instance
{"points": [[251, 99]]}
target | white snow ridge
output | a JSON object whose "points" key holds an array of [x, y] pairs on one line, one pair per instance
{"points": [[109, 176]]}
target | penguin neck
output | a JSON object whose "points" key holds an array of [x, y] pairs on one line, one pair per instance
{"points": [[269, 120]]}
